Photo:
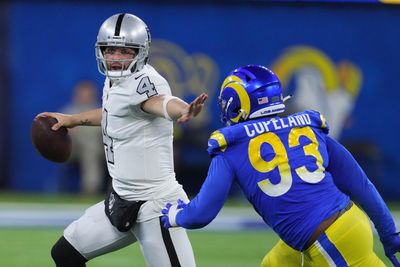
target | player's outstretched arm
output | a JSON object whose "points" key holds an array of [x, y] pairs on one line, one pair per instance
{"points": [[174, 108], [89, 118], [204, 207]]}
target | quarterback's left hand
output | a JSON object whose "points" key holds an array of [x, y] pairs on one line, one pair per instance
{"points": [[170, 211], [193, 109], [391, 245]]}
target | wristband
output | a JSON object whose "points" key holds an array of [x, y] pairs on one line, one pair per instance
{"points": [[167, 98]]}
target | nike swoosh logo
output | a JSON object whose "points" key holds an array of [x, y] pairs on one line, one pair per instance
{"points": [[139, 76]]}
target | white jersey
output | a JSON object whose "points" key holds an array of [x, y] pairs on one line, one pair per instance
{"points": [[138, 145]]}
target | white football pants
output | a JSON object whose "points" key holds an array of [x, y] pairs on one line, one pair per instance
{"points": [[93, 235]]}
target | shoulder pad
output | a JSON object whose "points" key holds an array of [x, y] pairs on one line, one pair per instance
{"points": [[318, 120], [218, 142]]}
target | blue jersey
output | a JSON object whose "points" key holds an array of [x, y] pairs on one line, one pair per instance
{"points": [[283, 166], [280, 165]]}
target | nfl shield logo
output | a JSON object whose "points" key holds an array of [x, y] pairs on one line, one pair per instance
{"points": [[262, 100]]}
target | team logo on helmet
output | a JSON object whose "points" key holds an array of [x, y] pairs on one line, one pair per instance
{"points": [[250, 92]]}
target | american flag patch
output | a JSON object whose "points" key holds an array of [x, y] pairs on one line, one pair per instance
{"points": [[262, 100]]}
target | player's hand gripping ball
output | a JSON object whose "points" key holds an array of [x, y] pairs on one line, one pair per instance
{"points": [[53, 145]]}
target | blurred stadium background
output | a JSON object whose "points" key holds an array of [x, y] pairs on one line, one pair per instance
{"points": [[338, 57]]}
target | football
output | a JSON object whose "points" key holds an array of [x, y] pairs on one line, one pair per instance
{"points": [[53, 145]]}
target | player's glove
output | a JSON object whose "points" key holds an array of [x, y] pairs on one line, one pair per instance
{"points": [[391, 244], [170, 211]]}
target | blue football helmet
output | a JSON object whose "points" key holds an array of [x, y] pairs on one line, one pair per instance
{"points": [[250, 92]]}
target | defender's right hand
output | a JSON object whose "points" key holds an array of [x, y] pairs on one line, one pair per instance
{"points": [[169, 214]]}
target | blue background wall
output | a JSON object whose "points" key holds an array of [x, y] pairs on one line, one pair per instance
{"points": [[52, 47], [4, 99]]}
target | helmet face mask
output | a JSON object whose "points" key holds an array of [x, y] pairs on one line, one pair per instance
{"points": [[250, 92], [125, 31]]}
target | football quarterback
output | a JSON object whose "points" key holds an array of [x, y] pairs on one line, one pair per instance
{"points": [[136, 117]]}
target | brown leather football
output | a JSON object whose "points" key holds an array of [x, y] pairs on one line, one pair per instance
{"points": [[53, 145]]}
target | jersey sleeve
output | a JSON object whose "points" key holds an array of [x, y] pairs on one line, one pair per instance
{"points": [[351, 179], [203, 208], [218, 142], [161, 85]]}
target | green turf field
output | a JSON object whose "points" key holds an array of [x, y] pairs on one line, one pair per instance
{"points": [[22, 247], [31, 247]]}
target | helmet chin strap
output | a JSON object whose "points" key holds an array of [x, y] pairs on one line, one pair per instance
{"points": [[243, 114]]}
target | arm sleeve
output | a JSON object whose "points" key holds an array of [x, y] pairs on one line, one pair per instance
{"points": [[203, 208], [351, 179]]}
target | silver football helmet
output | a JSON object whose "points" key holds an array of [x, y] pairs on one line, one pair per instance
{"points": [[123, 30]]}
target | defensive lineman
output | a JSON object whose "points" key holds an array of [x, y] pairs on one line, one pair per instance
{"points": [[136, 119], [298, 179]]}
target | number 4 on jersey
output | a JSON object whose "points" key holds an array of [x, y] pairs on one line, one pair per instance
{"points": [[146, 87]]}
